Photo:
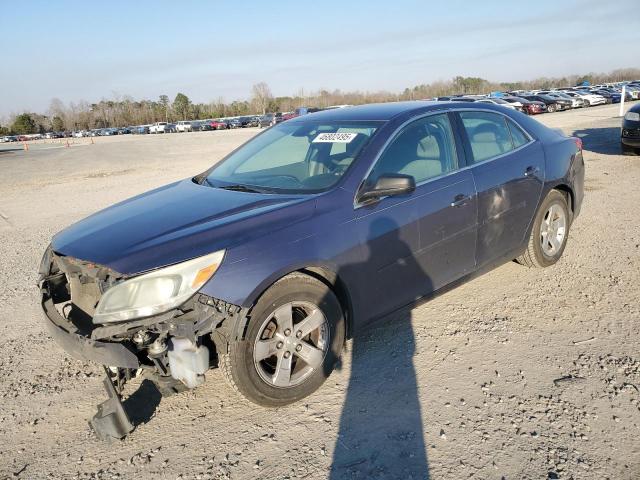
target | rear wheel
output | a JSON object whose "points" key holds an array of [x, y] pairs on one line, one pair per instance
{"points": [[551, 108], [293, 340], [549, 233]]}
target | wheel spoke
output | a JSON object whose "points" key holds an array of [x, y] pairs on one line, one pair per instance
{"points": [[311, 355], [282, 375], [555, 243], [265, 348], [284, 317], [551, 215], [309, 324]]}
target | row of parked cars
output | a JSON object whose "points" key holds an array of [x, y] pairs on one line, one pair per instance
{"points": [[542, 101], [531, 102], [261, 121]]}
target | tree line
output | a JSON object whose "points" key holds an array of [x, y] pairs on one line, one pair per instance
{"points": [[125, 111]]}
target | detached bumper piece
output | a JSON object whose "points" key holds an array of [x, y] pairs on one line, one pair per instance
{"points": [[82, 347], [111, 422]]}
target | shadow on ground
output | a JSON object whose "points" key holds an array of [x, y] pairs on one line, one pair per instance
{"points": [[381, 427], [600, 140], [142, 403]]}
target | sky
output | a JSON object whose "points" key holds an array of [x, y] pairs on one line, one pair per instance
{"points": [[218, 49]]}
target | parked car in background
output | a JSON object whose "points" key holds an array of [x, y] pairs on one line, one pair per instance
{"points": [[219, 124], [234, 123], [183, 126], [553, 104], [252, 122], [611, 97], [270, 119], [499, 101], [590, 99], [140, 130], [575, 102], [196, 125], [299, 112], [630, 134], [528, 106], [157, 127], [264, 267]]}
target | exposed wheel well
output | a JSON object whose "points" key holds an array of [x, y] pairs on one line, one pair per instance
{"points": [[339, 288], [568, 194]]}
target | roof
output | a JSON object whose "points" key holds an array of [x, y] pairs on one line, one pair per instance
{"points": [[372, 111]]}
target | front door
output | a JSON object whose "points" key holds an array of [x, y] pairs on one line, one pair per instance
{"points": [[417, 243]]}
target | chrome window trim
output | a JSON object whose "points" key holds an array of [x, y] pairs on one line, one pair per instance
{"points": [[395, 133]]}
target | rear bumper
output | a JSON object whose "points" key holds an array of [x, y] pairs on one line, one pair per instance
{"points": [[82, 347], [631, 142]]}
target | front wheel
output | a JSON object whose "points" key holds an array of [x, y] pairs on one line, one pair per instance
{"points": [[551, 108], [549, 233], [294, 338]]}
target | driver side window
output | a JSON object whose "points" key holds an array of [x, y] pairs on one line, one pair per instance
{"points": [[423, 149]]}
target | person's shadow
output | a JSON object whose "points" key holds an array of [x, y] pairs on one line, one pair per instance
{"points": [[381, 427]]}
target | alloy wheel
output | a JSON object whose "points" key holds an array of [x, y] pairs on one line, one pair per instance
{"points": [[291, 344], [553, 230]]}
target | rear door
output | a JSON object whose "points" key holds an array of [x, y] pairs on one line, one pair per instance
{"points": [[508, 170]]}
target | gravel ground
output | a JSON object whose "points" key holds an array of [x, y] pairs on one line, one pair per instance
{"points": [[520, 374]]}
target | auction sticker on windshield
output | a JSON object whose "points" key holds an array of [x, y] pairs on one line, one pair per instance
{"points": [[335, 138]]}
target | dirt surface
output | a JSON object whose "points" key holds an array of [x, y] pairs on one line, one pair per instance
{"points": [[520, 374]]}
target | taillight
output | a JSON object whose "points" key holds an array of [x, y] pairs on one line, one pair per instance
{"points": [[578, 143]]}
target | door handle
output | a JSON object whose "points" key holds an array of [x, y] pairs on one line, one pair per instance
{"points": [[460, 200], [531, 171]]}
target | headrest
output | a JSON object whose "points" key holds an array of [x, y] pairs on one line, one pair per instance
{"points": [[486, 132]]}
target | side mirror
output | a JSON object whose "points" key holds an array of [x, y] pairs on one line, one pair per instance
{"points": [[388, 184]]}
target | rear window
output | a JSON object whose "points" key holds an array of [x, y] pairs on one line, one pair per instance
{"points": [[517, 135], [488, 134]]}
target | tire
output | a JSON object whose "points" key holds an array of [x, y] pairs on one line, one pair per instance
{"points": [[587, 103], [537, 256], [551, 108], [261, 381], [627, 150]]}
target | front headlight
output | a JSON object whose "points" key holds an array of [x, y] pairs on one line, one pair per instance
{"points": [[156, 292], [632, 116]]}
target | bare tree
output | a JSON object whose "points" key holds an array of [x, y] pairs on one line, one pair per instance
{"points": [[261, 96]]}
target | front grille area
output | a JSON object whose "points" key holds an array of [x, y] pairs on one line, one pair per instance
{"points": [[631, 132]]}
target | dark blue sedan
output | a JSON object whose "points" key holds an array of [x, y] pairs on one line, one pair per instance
{"points": [[264, 264]]}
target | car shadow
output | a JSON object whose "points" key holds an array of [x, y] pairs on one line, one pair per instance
{"points": [[381, 427], [141, 404], [7, 151], [600, 140]]}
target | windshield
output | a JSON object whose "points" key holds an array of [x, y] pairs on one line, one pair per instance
{"points": [[293, 158]]}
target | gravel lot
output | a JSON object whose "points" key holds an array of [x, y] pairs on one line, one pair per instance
{"points": [[519, 374]]}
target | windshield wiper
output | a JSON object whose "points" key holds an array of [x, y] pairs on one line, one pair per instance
{"points": [[240, 188]]}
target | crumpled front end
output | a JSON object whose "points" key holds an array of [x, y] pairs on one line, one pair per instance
{"points": [[173, 349]]}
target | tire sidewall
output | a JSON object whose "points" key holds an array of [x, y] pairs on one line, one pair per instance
{"points": [[285, 291], [542, 258]]}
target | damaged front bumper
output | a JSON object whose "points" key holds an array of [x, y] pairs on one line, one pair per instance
{"points": [[173, 349], [82, 347]]}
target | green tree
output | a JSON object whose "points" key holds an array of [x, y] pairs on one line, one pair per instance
{"points": [[164, 101], [182, 106], [57, 124], [24, 124]]}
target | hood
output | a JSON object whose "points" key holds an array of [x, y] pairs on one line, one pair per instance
{"points": [[177, 222]]}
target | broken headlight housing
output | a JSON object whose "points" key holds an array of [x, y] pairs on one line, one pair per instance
{"points": [[158, 291]]}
